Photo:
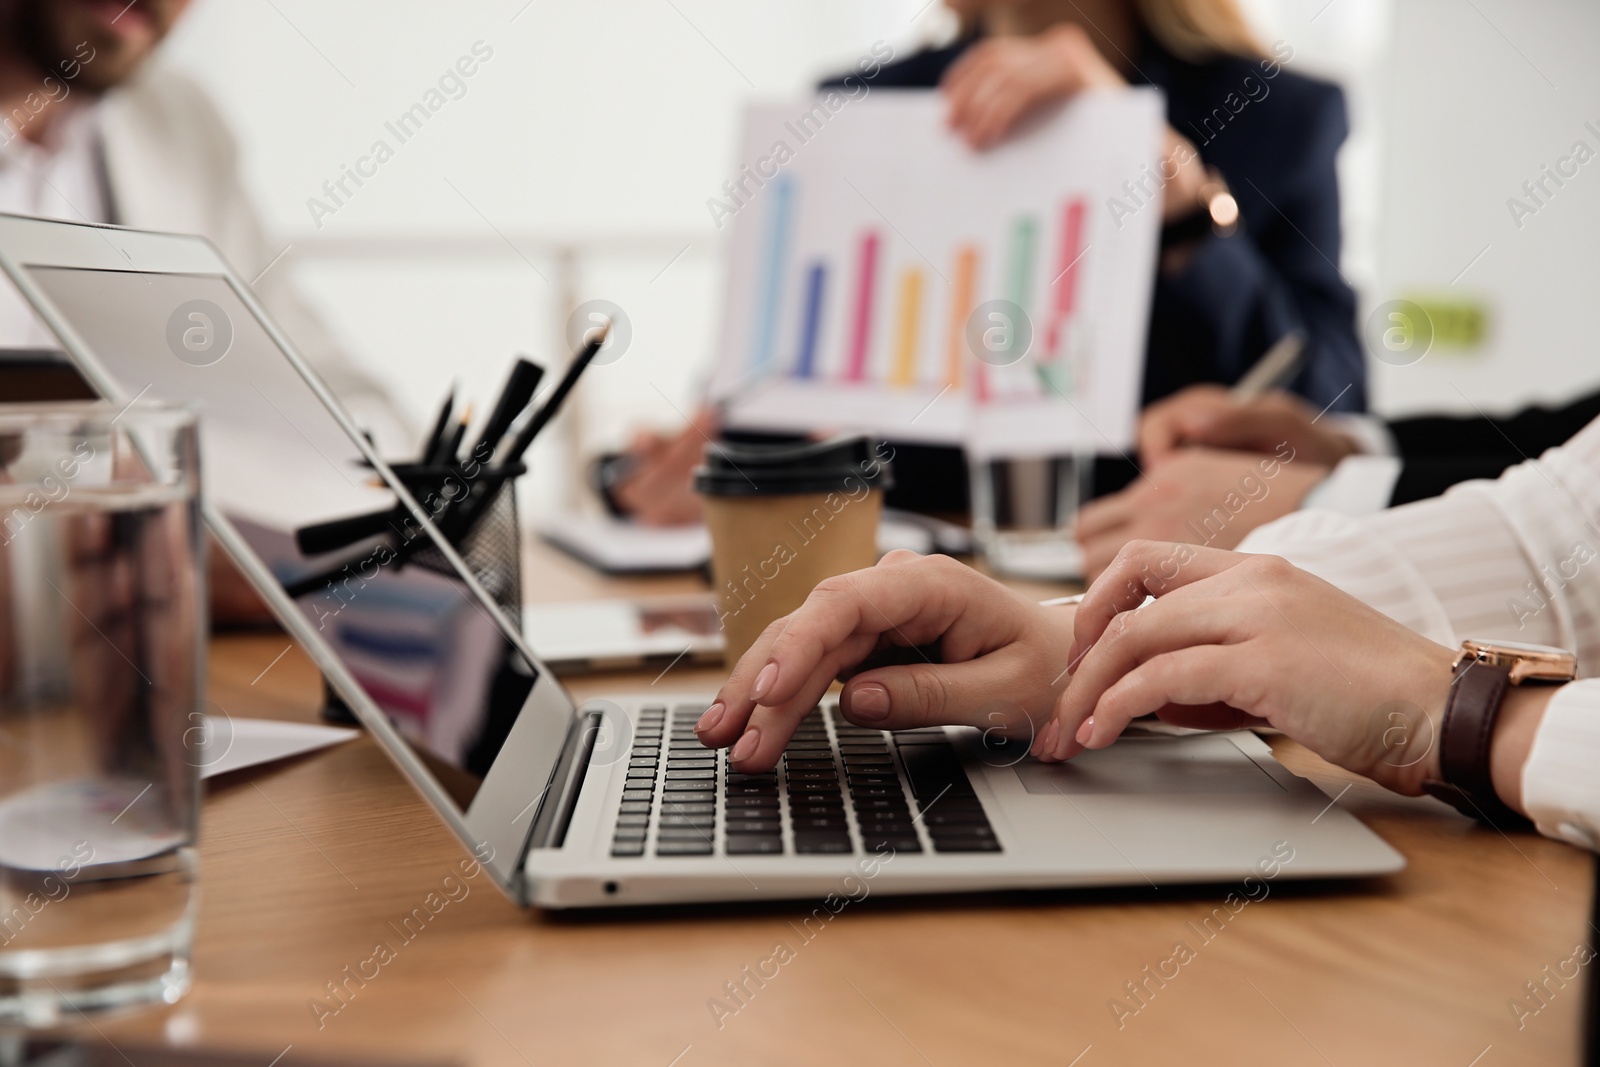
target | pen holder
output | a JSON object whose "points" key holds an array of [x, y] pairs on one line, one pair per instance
{"points": [[492, 550]]}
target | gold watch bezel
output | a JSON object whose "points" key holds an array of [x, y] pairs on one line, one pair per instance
{"points": [[1523, 662]]}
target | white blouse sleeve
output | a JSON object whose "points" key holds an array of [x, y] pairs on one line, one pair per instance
{"points": [[1515, 559]]}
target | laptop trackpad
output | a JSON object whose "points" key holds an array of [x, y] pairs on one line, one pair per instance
{"points": [[1203, 763]]}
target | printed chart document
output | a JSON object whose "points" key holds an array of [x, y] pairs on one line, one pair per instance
{"points": [[884, 277]]}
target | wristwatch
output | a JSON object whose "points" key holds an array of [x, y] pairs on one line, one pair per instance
{"points": [[1482, 672]]}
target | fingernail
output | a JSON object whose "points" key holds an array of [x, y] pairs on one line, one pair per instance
{"points": [[1086, 731], [870, 701], [746, 746], [764, 680], [712, 716], [1047, 738]]}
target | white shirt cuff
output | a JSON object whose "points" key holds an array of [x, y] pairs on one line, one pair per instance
{"points": [[1370, 433], [1359, 485], [1560, 788]]}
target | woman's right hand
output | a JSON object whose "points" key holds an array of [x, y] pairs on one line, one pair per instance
{"points": [[1211, 416], [658, 489], [998, 651]]}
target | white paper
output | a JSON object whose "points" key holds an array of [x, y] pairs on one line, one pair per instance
{"points": [[233, 744], [865, 242]]}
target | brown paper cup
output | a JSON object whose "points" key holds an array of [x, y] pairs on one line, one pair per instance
{"points": [[768, 553], [782, 518]]}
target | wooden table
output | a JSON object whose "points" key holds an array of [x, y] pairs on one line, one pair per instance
{"points": [[307, 863]]}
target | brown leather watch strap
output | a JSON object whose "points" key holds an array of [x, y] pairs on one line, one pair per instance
{"points": [[1476, 693]]}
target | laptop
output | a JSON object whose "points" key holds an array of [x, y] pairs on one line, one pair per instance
{"points": [[613, 802]]}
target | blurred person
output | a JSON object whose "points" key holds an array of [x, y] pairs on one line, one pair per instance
{"points": [[1239, 126], [94, 129], [1205, 481], [1345, 641]]}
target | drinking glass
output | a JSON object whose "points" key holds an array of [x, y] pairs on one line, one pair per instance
{"points": [[1024, 511], [102, 624]]}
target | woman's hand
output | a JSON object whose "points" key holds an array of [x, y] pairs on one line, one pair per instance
{"points": [[1237, 640], [1209, 415], [998, 81], [998, 651], [658, 490], [1196, 495]]}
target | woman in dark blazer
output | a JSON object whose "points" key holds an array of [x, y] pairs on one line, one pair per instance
{"points": [[1240, 126]]}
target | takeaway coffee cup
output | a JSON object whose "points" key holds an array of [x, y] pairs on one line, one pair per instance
{"points": [[783, 518]]}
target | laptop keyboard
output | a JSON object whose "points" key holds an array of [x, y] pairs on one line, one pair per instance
{"points": [[839, 789]]}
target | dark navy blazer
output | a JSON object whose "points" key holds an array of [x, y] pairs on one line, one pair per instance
{"points": [[1237, 295]]}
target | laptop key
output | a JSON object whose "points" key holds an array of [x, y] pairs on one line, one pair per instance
{"points": [[755, 800], [633, 820], [813, 842], [684, 847], [966, 844], [895, 844], [634, 807], [628, 848], [958, 816], [754, 845]]}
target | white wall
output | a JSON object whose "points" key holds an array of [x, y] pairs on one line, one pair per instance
{"points": [[1482, 95], [613, 121], [609, 120]]}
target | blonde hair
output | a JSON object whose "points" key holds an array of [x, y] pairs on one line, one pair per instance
{"points": [[1197, 30]]}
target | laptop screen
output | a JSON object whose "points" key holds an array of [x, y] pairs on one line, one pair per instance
{"points": [[281, 467]]}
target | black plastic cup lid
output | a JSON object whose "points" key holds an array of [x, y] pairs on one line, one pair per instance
{"points": [[839, 464]]}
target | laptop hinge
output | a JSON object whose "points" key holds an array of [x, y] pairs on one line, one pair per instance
{"points": [[555, 814]]}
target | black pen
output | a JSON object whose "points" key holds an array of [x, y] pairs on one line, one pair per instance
{"points": [[525, 437], [431, 442], [520, 386], [445, 453]]}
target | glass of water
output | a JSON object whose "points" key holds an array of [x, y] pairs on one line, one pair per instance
{"points": [[1024, 512], [102, 624]]}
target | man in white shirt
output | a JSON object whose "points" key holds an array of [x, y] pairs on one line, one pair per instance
{"points": [[92, 129], [1352, 652]]}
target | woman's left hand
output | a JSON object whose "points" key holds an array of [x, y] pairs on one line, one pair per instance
{"points": [[1000, 80], [1238, 640]]}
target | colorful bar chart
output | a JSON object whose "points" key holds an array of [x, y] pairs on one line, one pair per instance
{"points": [[893, 301], [882, 277]]}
